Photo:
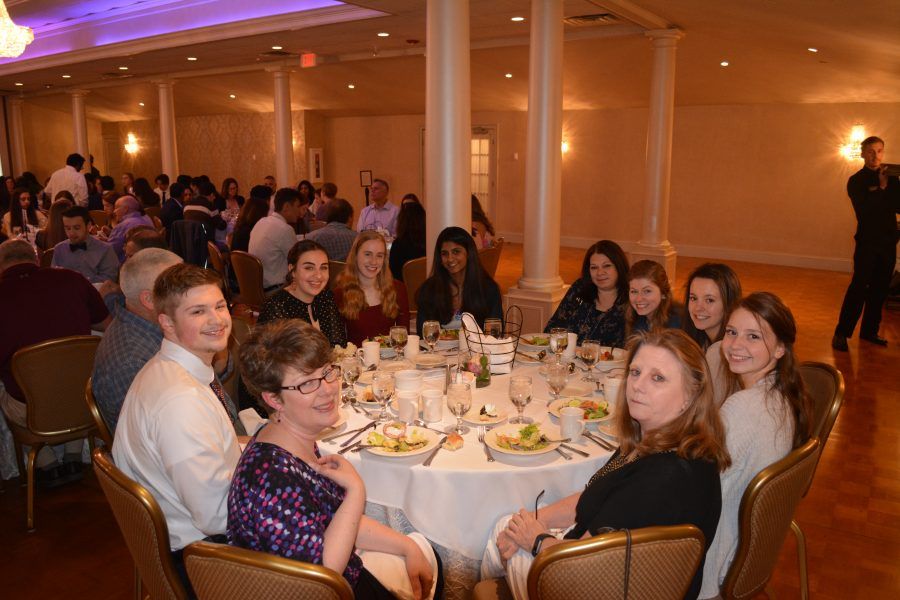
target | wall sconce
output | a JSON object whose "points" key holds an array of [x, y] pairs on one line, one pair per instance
{"points": [[851, 150], [565, 147], [132, 146]]}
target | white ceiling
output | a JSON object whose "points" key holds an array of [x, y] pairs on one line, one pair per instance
{"points": [[765, 42]]}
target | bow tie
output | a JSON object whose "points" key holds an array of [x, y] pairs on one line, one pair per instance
{"points": [[76, 247]]}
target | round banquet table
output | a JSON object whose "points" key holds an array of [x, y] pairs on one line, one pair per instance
{"points": [[456, 501]]}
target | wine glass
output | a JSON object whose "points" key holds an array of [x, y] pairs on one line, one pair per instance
{"points": [[459, 401], [590, 354], [557, 378], [493, 327], [350, 370], [382, 389], [398, 339], [431, 331], [520, 390], [559, 340]]}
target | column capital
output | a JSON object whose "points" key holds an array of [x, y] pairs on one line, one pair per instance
{"points": [[164, 81], [664, 37], [280, 69], [78, 92]]}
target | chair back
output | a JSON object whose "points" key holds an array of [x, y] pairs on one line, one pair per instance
{"points": [[316, 224], [240, 331], [188, 240], [767, 509], [414, 275], [56, 404], [825, 386], [102, 428], [143, 526], [490, 257], [249, 273], [47, 257], [100, 218], [335, 268], [664, 560], [216, 260], [221, 572], [153, 211]]}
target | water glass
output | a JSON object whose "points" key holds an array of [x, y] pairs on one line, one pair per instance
{"points": [[431, 331], [382, 389], [559, 341], [350, 369], [459, 401], [520, 390], [557, 378], [398, 339], [590, 354]]}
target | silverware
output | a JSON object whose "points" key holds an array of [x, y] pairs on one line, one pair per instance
{"points": [[549, 441], [359, 446], [599, 441], [563, 454], [421, 423], [358, 433], [575, 450], [339, 435], [487, 451], [353, 447], [433, 454]]}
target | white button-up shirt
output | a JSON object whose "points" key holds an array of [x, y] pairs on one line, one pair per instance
{"points": [[270, 241], [68, 178]]}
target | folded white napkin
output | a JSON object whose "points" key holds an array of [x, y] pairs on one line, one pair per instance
{"points": [[500, 350], [251, 421], [390, 569]]}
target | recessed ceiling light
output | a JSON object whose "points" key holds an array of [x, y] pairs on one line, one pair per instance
{"points": [[19, 83], [517, 19], [509, 75], [383, 34], [66, 76], [277, 47], [232, 96], [192, 58], [123, 68], [813, 49], [351, 86], [140, 103], [724, 63]]}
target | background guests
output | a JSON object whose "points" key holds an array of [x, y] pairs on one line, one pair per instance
{"points": [[381, 213], [410, 240], [162, 187], [287, 364], [328, 194], [144, 193], [230, 200], [23, 217], [273, 237], [650, 299], [201, 209], [369, 299], [54, 232], [173, 208], [594, 306], [128, 184], [128, 215], [141, 238], [665, 472], [482, 228], [82, 252], [336, 237], [69, 178], [767, 414], [305, 295], [254, 209]]}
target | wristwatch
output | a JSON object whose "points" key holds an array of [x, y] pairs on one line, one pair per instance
{"points": [[538, 541]]}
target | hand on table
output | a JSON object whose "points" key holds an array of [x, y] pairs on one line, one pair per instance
{"points": [[419, 571]]}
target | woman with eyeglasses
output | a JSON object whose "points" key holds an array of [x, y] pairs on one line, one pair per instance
{"points": [[289, 500]]}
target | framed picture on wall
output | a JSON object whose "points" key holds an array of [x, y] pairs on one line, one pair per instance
{"points": [[365, 178], [315, 165]]}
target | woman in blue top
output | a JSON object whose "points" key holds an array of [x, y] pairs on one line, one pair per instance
{"points": [[650, 305]]}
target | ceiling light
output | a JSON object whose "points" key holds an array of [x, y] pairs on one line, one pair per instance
{"points": [[19, 83], [517, 19], [192, 58], [140, 103], [66, 76], [232, 96], [724, 63], [277, 47], [509, 75], [383, 34], [132, 146], [813, 49], [123, 68], [351, 86], [13, 38]]}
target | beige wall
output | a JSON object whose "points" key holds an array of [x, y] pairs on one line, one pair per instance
{"points": [[49, 139]]}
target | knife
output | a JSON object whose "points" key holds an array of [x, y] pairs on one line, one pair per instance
{"points": [[575, 450], [358, 433], [563, 454], [433, 454], [338, 435], [348, 448], [599, 441]]}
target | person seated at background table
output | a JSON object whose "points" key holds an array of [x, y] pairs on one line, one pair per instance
{"points": [[328, 194], [230, 201], [82, 252], [370, 300], [173, 208], [409, 198], [128, 184], [305, 294], [201, 209], [54, 232], [458, 284], [255, 208], [13, 224], [665, 471], [273, 237], [594, 306], [650, 305], [141, 238], [482, 228], [317, 502], [144, 193], [129, 215], [95, 198], [410, 241], [336, 236], [766, 415]]}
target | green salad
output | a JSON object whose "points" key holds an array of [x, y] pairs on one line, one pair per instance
{"points": [[529, 439]]}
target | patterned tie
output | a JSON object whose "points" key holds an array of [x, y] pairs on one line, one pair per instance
{"points": [[219, 391]]}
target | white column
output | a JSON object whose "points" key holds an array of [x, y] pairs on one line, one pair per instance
{"points": [[540, 289], [79, 122], [284, 147], [168, 143], [654, 243], [17, 137], [448, 120]]}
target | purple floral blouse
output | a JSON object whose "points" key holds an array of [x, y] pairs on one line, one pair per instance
{"points": [[278, 504]]}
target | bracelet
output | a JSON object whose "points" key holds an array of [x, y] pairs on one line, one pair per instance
{"points": [[536, 547]]}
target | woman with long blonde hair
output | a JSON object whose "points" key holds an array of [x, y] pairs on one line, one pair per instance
{"points": [[367, 295]]}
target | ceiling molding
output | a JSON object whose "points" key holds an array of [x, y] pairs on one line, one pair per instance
{"points": [[634, 13]]}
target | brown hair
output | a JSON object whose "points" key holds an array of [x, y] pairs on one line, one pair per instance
{"points": [[354, 299], [176, 281], [55, 231], [274, 346], [298, 250], [656, 274], [729, 289], [698, 432]]}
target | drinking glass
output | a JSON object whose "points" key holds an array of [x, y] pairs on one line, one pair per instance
{"points": [[493, 327], [459, 401], [350, 369], [590, 354], [431, 331], [557, 378], [559, 340], [398, 339], [520, 390], [382, 389]]}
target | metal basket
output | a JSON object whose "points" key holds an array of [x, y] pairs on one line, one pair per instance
{"points": [[477, 341]]}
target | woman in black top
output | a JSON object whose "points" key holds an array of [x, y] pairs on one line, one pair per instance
{"points": [[410, 240], [253, 210], [665, 472]]}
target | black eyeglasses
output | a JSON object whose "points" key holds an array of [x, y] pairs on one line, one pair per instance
{"points": [[329, 375]]}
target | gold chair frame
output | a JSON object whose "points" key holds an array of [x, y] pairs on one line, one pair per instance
{"points": [[414, 275], [103, 430], [248, 270]]}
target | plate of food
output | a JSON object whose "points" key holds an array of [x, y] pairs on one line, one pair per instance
{"points": [[391, 366], [342, 418], [611, 358], [448, 340], [527, 440], [488, 414], [595, 411], [366, 396], [430, 360], [387, 350], [535, 342], [397, 439]]}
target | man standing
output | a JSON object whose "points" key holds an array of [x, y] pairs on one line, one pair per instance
{"points": [[381, 213], [273, 237], [69, 178], [336, 237], [876, 202], [174, 436], [94, 259]]}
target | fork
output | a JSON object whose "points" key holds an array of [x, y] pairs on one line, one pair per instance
{"points": [[487, 451]]}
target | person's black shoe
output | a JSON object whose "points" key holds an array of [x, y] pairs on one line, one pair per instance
{"points": [[874, 339], [839, 342], [48, 478], [73, 468]]}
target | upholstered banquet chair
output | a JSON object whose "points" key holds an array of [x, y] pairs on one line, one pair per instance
{"points": [[335, 268], [662, 564], [144, 528], [56, 409], [216, 260], [103, 431], [414, 275], [47, 257], [100, 218], [221, 572], [249, 273]]}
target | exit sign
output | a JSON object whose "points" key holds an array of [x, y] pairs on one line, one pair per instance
{"points": [[308, 59]]}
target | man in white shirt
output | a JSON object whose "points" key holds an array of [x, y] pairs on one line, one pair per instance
{"points": [[273, 237], [174, 436], [380, 213], [69, 178], [162, 188]]}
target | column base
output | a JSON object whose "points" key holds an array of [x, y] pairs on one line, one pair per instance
{"points": [[537, 305], [664, 254]]}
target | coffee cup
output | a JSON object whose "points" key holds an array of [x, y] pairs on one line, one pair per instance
{"points": [[370, 353], [571, 424], [611, 386], [569, 352], [432, 405], [411, 351], [408, 380], [407, 405]]}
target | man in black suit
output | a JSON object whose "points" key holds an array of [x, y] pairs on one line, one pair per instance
{"points": [[876, 202]]}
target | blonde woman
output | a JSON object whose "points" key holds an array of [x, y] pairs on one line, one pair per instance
{"points": [[367, 295]]}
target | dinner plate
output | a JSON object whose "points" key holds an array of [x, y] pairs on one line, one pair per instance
{"points": [[342, 418], [558, 404], [528, 347], [617, 362], [608, 429], [430, 360], [365, 378], [441, 344], [431, 437], [474, 418], [550, 431]]}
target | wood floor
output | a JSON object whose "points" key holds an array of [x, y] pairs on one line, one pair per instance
{"points": [[851, 516]]}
